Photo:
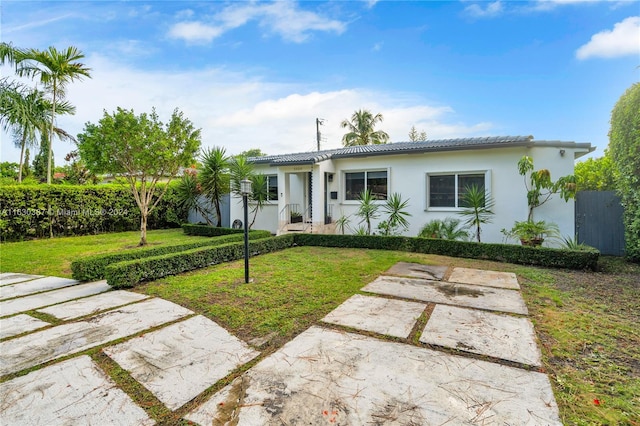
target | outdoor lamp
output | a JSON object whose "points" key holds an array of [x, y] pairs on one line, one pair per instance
{"points": [[245, 190]]}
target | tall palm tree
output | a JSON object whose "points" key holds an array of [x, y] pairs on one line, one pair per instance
{"points": [[361, 129], [214, 177], [26, 112], [55, 69]]}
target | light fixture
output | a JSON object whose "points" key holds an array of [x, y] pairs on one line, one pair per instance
{"points": [[562, 151], [245, 190]]}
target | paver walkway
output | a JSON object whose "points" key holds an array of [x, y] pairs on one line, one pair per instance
{"points": [[344, 372]]}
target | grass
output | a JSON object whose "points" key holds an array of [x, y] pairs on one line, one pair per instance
{"points": [[586, 322], [54, 256]]}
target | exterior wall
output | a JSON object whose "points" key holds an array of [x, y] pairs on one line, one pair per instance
{"points": [[407, 174]]}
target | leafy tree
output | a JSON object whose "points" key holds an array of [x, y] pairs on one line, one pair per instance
{"points": [[477, 207], [624, 146], [540, 187], [595, 174], [9, 170], [76, 171], [25, 170], [40, 160], [214, 178], [415, 136], [253, 152], [361, 129], [367, 210], [141, 149], [395, 208], [55, 70]]}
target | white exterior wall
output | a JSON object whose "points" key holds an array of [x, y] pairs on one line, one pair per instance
{"points": [[407, 174]]}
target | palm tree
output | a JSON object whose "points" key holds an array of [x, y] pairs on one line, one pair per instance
{"points": [[259, 194], [477, 207], [55, 68], [214, 177], [395, 207], [361, 129], [368, 209], [25, 113]]}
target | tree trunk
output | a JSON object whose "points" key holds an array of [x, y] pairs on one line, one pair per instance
{"points": [[53, 117], [143, 226], [24, 138], [218, 212]]}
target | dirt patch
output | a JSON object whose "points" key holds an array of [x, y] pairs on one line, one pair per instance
{"points": [[456, 290]]}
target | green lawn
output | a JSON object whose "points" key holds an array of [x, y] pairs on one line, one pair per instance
{"points": [[54, 256], [586, 322]]}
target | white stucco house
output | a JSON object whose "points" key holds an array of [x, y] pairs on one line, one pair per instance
{"points": [[324, 185]]}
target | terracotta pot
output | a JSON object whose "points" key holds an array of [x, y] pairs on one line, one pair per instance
{"points": [[533, 242]]}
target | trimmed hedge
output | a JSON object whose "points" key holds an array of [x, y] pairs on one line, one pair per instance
{"points": [[541, 256], [92, 268], [208, 231], [129, 273], [33, 211]]}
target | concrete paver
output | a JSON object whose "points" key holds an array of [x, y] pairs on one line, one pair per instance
{"points": [[18, 324], [34, 286], [484, 278], [66, 339], [474, 296], [178, 362], [73, 392], [330, 377], [27, 303], [485, 333], [7, 278], [385, 316], [93, 304], [418, 270]]}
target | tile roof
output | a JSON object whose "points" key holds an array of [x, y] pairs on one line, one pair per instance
{"points": [[402, 148]]}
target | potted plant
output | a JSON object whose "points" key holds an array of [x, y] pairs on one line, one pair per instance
{"points": [[531, 233], [296, 217]]}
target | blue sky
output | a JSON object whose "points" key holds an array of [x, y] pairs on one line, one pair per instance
{"points": [[258, 74]]}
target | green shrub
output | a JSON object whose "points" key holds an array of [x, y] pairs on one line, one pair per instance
{"points": [[92, 268], [37, 211], [129, 273], [523, 255], [208, 231]]}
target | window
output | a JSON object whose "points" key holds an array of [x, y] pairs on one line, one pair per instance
{"points": [[448, 190], [374, 181], [272, 187]]}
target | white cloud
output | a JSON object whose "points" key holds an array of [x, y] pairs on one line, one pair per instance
{"points": [[241, 112], [491, 10], [195, 32], [623, 40], [282, 18]]}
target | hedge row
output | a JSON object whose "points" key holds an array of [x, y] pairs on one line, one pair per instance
{"points": [[36, 211], [92, 268], [541, 256], [129, 273], [208, 231]]}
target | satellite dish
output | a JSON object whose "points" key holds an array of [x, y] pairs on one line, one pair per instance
{"points": [[237, 224]]}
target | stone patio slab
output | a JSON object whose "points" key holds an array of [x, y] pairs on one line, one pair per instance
{"points": [[19, 324], [73, 392], [493, 299], [485, 278], [35, 286], [93, 304], [7, 278], [485, 333], [329, 377], [66, 339], [180, 361], [385, 316], [418, 270], [27, 303]]}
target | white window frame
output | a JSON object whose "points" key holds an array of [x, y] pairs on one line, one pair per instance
{"points": [[269, 199], [456, 208], [365, 171]]}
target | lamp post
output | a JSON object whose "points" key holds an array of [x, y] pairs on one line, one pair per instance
{"points": [[245, 190]]}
